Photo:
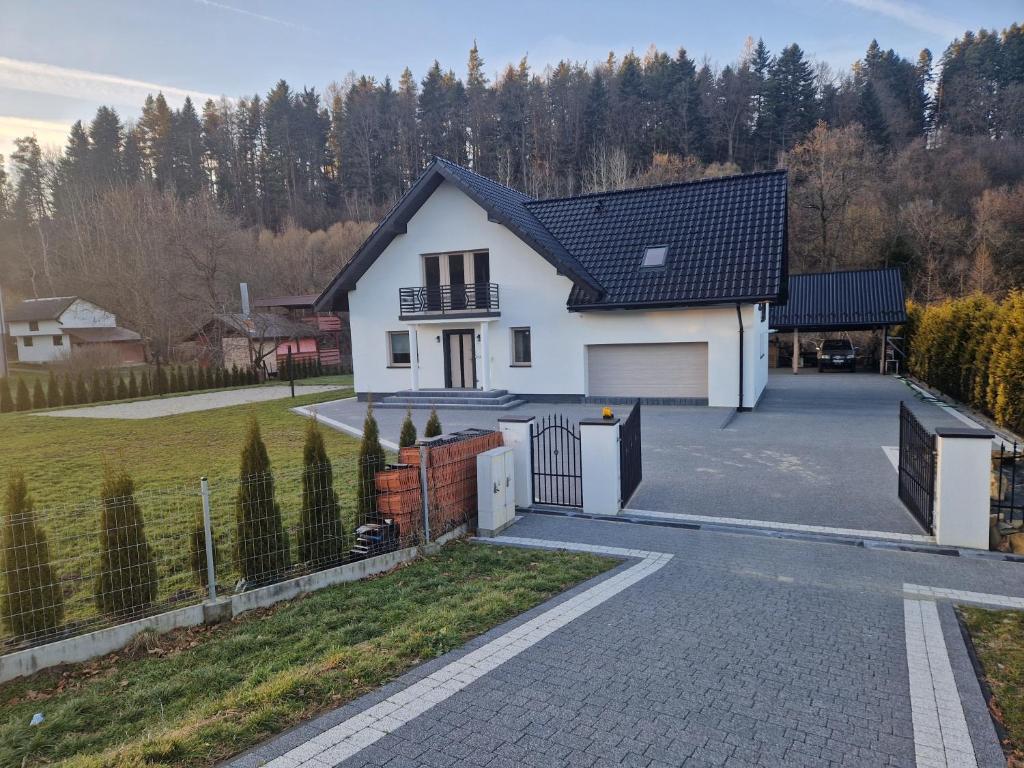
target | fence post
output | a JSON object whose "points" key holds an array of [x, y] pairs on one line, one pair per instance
{"points": [[601, 465], [211, 574], [515, 433], [962, 486], [425, 492]]}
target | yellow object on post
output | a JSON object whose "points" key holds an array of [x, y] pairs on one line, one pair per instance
{"points": [[606, 413]]}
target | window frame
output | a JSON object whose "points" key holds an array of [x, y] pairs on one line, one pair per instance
{"points": [[389, 335], [57, 340], [27, 341], [33, 326], [512, 347], [664, 258]]}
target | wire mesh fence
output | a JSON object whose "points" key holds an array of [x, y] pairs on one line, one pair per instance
{"points": [[132, 554]]}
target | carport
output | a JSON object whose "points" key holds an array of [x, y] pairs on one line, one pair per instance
{"points": [[831, 302]]}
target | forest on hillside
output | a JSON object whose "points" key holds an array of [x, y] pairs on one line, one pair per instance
{"points": [[898, 161]]}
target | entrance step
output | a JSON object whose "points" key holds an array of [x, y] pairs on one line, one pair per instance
{"points": [[459, 399], [437, 394]]}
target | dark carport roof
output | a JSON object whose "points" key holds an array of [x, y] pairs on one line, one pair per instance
{"points": [[857, 300]]}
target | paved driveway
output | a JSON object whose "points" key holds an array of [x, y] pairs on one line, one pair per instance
{"points": [[702, 649], [812, 453]]}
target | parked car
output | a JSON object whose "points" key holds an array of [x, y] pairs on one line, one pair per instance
{"points": [[837, 353]]}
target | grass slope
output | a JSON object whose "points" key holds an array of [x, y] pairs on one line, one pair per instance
{"points": [[203, 695], [998, 638]]}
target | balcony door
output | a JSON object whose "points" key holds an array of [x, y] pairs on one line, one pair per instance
{"points": [[459, 359], [456, 281]]}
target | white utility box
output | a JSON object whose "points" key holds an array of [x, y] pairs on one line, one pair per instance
{"points": [[495, 491]]}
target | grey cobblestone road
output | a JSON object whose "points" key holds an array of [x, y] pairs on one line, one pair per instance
{"points": [[741, 651]]}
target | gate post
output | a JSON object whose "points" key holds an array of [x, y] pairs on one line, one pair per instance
{"points": [[601, 465], [962, 486], [516, 433]]}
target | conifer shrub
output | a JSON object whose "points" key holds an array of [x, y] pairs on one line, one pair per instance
{"points": [[371, 461], [407, 437], [145, 384], [22, 398], [122, 389], [235, 376], [160, 381], [95, 387], [82, 395], [6, 401], [261, 543], [126, 585], [201, 379], [133, 385], [433, 428], [222, 378], [32, 605], [174, 383], [53, 397], [67, 390], [109, 386], [190, 379], [38, 395], [321, 538]]}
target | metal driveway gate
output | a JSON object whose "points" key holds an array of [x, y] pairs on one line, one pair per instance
{"points": [[555, 462], [630, 465], [917, 467]]}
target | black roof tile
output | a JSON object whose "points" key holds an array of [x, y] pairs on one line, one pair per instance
{"points": [[859, 299]]}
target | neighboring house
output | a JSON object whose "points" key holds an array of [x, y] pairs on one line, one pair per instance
{"points": [[259, 339], [51, 329], [332, 345], [658, 293]]}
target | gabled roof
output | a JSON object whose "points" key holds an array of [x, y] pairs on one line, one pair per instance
{"points": [[265, 325], [34, 310], [103, 335], [726, 240], [292, 302], [860, 299], [504, 205]]}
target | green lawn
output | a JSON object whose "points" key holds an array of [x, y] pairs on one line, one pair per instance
{"points": [[63, 461], [998, 638], [196, 697]]}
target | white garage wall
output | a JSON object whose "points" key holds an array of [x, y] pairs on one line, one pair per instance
{"points": [[533, 295]]}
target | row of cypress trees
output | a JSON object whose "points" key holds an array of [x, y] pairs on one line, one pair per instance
{"points": [[104, 385], [972, 349], [126, 585]]}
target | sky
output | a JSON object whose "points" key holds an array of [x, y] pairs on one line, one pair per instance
{"points": [[59, 60]]}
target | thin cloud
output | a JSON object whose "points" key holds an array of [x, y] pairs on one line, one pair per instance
{"points": [[47, 132], [37, 77], [254, 15], [912, 16]]}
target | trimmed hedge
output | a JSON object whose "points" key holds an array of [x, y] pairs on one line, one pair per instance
{"points": [[973, 350]]}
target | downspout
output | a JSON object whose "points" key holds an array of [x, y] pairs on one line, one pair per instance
{"points": [[739, 319]]}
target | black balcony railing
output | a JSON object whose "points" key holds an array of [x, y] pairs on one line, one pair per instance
{"points": [[448, 299]]}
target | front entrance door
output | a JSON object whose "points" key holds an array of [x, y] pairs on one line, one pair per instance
{"points": [[459, 359]]}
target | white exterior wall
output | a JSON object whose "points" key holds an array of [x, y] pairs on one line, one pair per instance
{"points": [[85, 314], [532, 294], [81, 314]]}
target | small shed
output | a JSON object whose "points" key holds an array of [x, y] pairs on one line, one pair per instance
{"points": [[826, 302]]}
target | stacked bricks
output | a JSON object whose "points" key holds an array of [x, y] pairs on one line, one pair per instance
{"points": [[398, 498]]}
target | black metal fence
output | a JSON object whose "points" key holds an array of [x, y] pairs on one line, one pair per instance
{"points": [[917, 467], [1008, 485], [442, 299], [556, 462], [630, 456]]}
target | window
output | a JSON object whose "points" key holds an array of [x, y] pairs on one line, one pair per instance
{"points": [[521, 352], [655, 257], [398, 349], [26, 341], [58, 341], [33, 325]]}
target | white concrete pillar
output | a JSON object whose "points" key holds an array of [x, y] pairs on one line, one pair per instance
{"points": [[962, 486], [414, 359], [516, 434], [599, 456], [485, 356]]}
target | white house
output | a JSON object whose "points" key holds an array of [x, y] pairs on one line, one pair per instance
{"points": [[48, 330], [658, 293]]}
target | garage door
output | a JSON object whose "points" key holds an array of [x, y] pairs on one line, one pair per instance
{"points": [[648, 370]]}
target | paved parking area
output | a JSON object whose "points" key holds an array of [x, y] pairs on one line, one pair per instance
{"points": [[702, 649], [811, 453]]}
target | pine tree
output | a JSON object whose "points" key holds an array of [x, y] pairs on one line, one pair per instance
{"points": [[261, 544], [408, 435], [321, 538], [22, 397], [433, 428], [32, 605], [122, 388], [109, 387], [67, 390], [190, 379], [160, 382], [81, 393], [202, 380], [235, 375], [6, 401], [96, 394], [52, 390], [127, 581], [38, 395], [371, 461], [175, 382], [146, 384], [133, 385]]}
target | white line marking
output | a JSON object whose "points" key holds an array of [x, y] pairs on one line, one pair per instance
{"points": [[917, 538], [305, 410], [351, 736], [963, 596], [892, 453], [941, 738]]}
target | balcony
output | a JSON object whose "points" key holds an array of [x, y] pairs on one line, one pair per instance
{"points": [[442, 301]]}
